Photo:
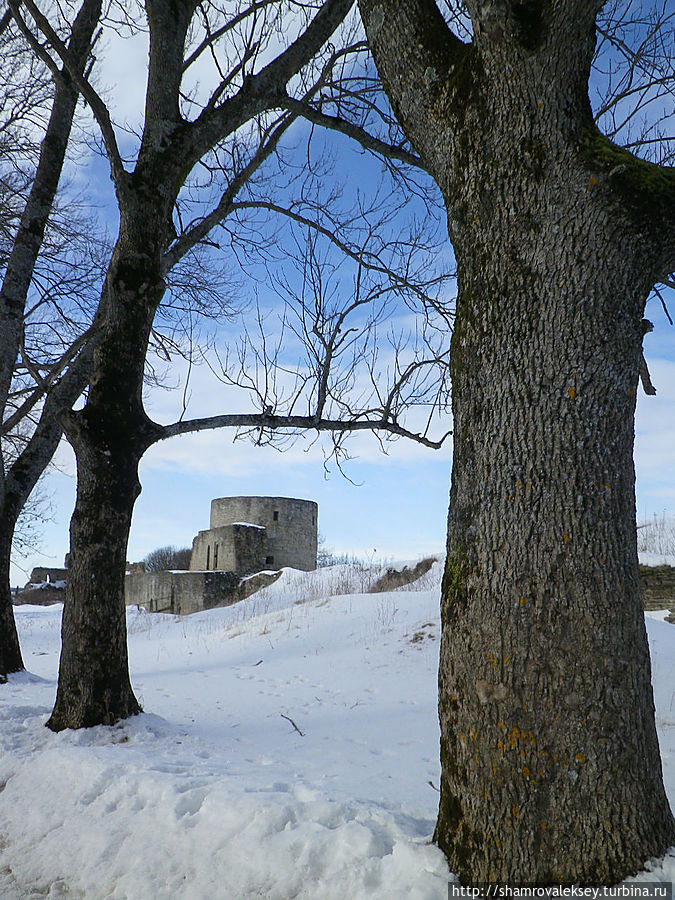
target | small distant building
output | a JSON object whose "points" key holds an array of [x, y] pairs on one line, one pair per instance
{"points": [[41, 575], [45, 586]]}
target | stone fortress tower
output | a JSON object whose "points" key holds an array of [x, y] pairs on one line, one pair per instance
{"points": [[249, 534]]}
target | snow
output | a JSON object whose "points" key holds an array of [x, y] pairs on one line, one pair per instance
{"points": [[251, 525], [289, 750], [659, 614], [263, 572], [648, 558]]}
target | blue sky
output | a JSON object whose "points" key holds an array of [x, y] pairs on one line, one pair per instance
{"points": [[396, 510], [397, 505]]}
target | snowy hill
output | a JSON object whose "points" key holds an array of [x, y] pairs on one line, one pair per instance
{"points": [[289, 749]]}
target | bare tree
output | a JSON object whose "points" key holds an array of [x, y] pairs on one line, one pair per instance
{"points": [[50, 260], [165, 558], [355, 331], [34, 132], [203, 163], [657, 535], [550, 761]]}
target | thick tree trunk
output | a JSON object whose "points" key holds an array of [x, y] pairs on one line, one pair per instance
{"points": [[10, 652], [550, 760], [551, 770], [112, 431], [94, 686], [109, 437], [551, 766]]}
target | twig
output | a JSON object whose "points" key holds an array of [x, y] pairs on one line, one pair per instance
{"points": [[645, 378], [288, 719]]}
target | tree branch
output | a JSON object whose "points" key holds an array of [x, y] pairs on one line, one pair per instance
{"points": [[34, 44], [415, 51], [645, 190], [98, 107], [288, 719], [45, 386], [190, 238], [350, 129], [214, 36], [365, 258], [645, 378], [266, 89], [28, 241], [270, 422], [32, 461], [5, 20]]}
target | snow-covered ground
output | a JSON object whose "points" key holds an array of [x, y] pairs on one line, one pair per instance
{"points": [[289, 750]]}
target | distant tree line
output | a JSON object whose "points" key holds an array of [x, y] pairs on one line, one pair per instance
{"points": [[168, 558]]}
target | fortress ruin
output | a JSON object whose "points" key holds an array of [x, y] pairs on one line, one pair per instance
{"points": [[247, 535]]}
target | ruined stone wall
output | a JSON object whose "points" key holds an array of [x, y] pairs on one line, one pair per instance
{"points": [[658, 586], [182, 593], [40, 574], [230, 548], [290, 524]]}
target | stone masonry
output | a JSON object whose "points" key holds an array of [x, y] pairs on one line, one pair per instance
{"points": [[181, 593], [248, 534]]}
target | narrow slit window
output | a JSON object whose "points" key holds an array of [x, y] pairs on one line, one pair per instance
{"points": [[215, 556], [208, 556], [275, 515]]}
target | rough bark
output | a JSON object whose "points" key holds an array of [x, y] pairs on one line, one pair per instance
{"points": [[109, 436], [551, 770], [94, 686], [551, 766]]}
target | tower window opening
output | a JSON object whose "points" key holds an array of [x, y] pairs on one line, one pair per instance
{"points": [[215, 556], [275, 515], [208, 556], [269, 560]]}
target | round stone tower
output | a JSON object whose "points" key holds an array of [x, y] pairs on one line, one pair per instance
{"points": [[290, 526]]}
